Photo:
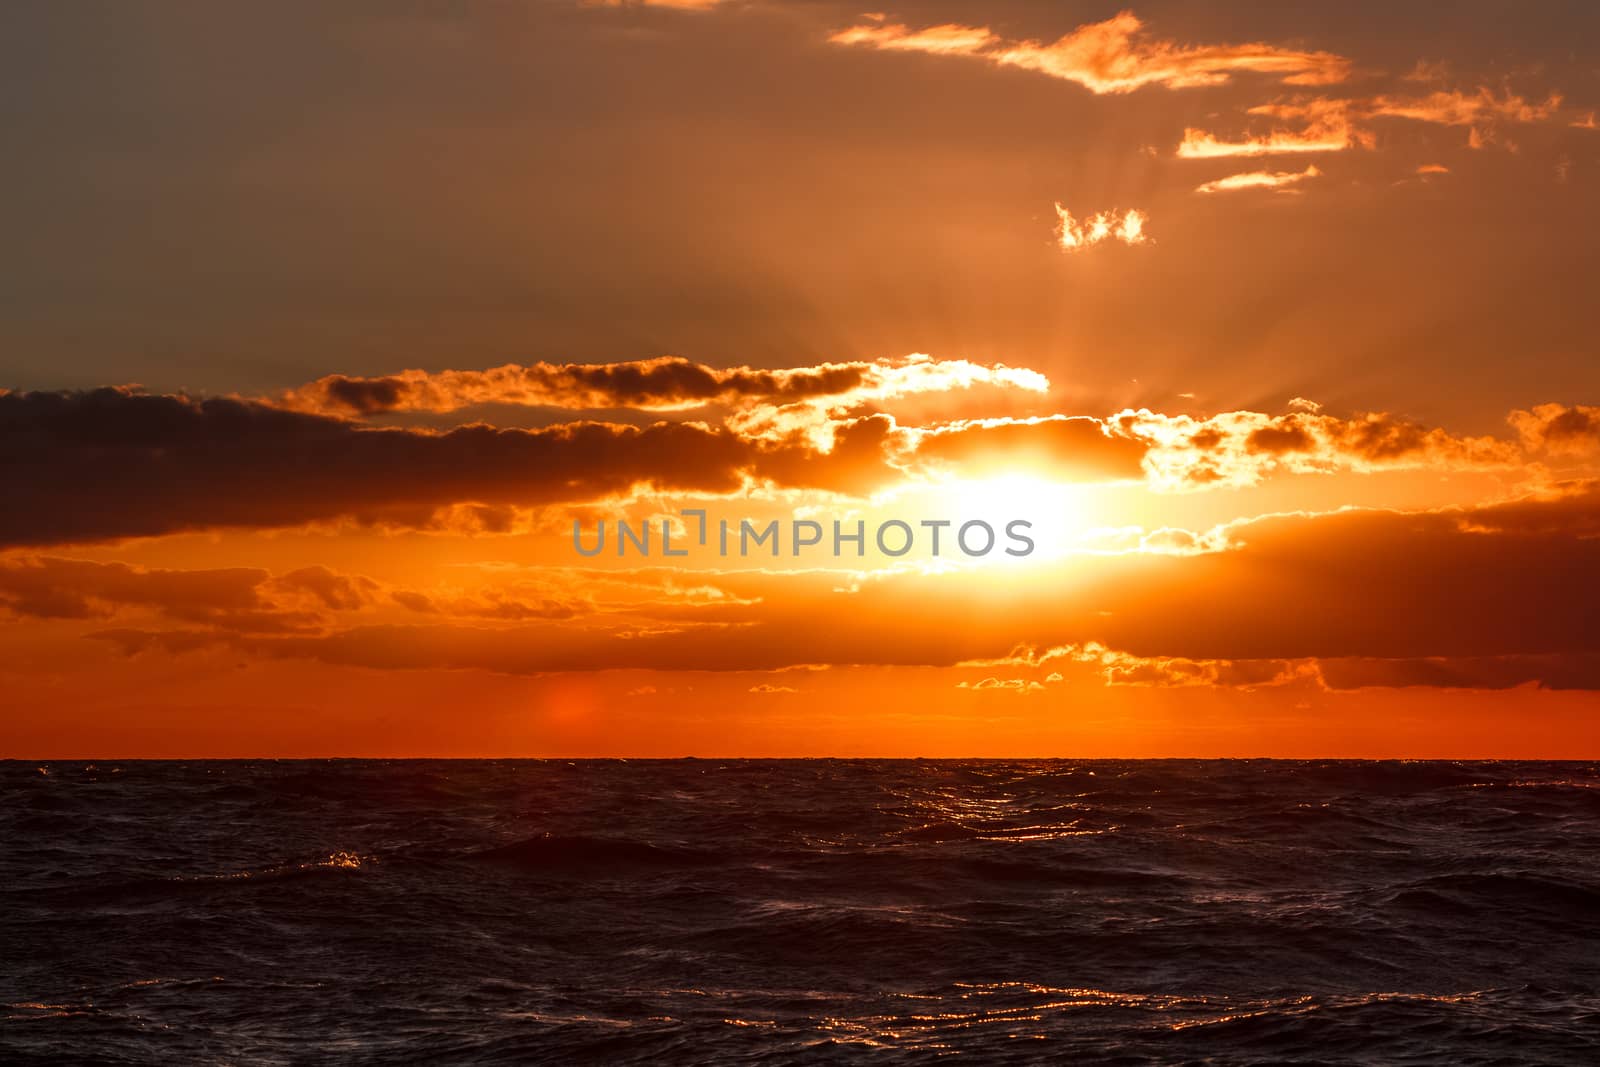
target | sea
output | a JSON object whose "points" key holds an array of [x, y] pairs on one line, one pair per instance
{"points": [[799, 911]]}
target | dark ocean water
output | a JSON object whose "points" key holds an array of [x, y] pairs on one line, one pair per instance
{"points": [[398, 912]]}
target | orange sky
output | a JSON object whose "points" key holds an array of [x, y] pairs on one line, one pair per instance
{"points": [[1272, 328]]}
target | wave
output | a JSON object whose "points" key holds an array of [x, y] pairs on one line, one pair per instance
{"points": [[583, 853], [333, 864], [1518, 893]]}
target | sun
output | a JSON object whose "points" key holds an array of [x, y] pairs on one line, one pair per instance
{"points": [[1003, 498], [1052, 511]]}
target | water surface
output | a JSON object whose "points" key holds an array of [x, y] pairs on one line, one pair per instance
{"points": [[398, 912]]}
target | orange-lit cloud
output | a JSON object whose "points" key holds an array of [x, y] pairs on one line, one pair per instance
{"points": [[1324, 126], [1445, 597], [1120, 668], [675, 5], [668, 383], [115, 463], [1559, 429], [1457, 108], [1083, 448], [1239, 448], [1114, 56], [1128, 227], [492, 604], [1330, 674], [948, 39], [1278, 181], [1118, 55], [239, 599], [1327, 124]]}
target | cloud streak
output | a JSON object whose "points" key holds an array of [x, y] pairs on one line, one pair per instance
{"points": [[1329, 124], [1114, 56], [665, 384], [1277, 181], [236, 599]]}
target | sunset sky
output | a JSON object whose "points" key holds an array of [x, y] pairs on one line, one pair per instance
{"points": [[321, 325]]}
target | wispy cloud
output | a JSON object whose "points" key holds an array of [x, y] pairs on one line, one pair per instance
{"points": [[1114, 56], [1127, 227], [1279, 181], [675, 5], [1327, 124], [1120, 55], [946, 40], [1457, 108]]}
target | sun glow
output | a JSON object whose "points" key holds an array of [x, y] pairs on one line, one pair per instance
{"points": [[1054, 510]]}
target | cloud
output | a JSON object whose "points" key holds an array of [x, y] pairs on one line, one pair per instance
{"points": [[1240, 448], [53, 588], [1278, 181], [1324, 126], [1327, 124], [116, 463], [1118, 55], [853, 463], [1077, 447], [1457, 108], [668, 383], [1559, 429], [113, 463], [1489, 592], [674, 5], [1198, 144], [238, 599], [1074, 236], [1114, 56], [498, 604], [948, 39], [1555, 671], [1004, 685], [337, 592], [1114, 668], [247, 600], [664, 384]]}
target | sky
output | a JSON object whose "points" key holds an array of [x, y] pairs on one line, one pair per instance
{"points": [[1254, 341]]}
